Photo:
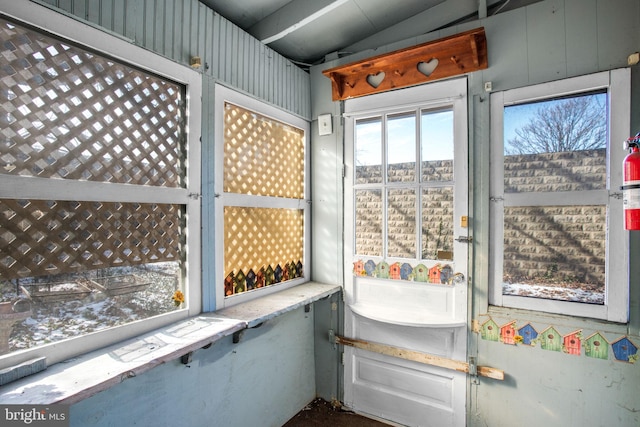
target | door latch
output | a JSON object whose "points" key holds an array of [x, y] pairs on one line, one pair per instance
{"points": [[464, 239]]}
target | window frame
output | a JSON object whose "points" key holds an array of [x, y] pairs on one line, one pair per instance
{"points": [[224, 94], [81, 34], [616, 305]]}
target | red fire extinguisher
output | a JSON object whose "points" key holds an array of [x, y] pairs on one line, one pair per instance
{"points": [[631, 184]]}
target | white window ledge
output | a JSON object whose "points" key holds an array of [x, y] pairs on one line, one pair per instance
{"points": [[79, 378]]}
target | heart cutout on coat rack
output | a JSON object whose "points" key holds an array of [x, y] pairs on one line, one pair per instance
{"points": [[375, 80], [427, 68]]}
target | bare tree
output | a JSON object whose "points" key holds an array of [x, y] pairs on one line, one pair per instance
{"points": [[570, 124]]}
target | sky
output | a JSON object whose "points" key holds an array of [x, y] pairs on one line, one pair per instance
{"points": [[437, 138], [437, 134]]}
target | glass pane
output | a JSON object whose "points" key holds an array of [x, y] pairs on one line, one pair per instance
{"points": [[52, 308], [368, 227], [401, 223], [401, 148], [437, 223], [262, 246], [556, 145], [72, 268], [52, 237], [69, 113], [555, 252], [368, 155], [436, 145], [262, 156]]}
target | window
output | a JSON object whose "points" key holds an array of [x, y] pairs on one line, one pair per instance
{"points": [[386, 198], [558, 238], [96, 223], [262, 214], [406, 186]]}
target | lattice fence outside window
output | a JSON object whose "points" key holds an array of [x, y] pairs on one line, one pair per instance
{"points": [[75, 262]]}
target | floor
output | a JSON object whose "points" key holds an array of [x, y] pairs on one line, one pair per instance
{"points": [[322, 413]]}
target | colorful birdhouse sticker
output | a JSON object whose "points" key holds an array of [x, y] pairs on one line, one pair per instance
{"points": [[278, 274], [490, 331], [358, 268], [421, 273], [269, 276], [434, 274], [382, 270], [508, 333], [624, 350], [240, 284], [285, 272], [251, 280], [528, 334], [291, 268], [260, 278], [229, 284], [596, 345], [299, 269], [446, 274], [405, 271], [394, 271], [370, 267], [572, 343], [550, 339]]}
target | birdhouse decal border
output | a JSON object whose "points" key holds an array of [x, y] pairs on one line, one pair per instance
{"points": [[596, 345], [437, 274]]}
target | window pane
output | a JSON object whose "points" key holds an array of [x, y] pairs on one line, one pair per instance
{"points": [[56, 307], [69, 113], [81, 267], [401, 223], [262, 156], [436, 145], [556, 145], [437, 223], [43, 237], [555, 252], [368, 155], [262, 246], [401, 148], [368, 227]]}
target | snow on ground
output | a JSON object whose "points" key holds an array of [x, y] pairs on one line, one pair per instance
{"points": [[553, 292], [55, 321]]}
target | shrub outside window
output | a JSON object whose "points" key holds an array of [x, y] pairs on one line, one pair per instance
{"points": [[94, 206], [558, 238]]}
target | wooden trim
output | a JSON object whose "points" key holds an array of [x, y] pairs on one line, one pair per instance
{"points": [[438, 59], [420, 357]]}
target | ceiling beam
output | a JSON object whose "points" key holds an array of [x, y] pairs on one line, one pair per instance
{"points": [[294, 15], [425, 22]]}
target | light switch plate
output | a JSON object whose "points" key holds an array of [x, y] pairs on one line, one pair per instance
{"points": [[324, 124]]}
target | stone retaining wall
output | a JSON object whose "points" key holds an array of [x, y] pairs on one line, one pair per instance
{"points": [[555, 243]]}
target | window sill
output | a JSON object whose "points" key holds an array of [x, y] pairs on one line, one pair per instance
{"points": [[386, 314], [79, 378]]}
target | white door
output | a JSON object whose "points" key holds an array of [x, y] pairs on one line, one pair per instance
{"points": [[406, 251]]}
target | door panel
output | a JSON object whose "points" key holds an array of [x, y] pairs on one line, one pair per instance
{"points": [[406, 267]]}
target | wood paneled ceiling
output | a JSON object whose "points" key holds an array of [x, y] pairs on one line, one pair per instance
{"points": [[310, 31]]}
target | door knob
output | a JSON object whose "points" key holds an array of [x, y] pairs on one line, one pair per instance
{"points": [[456, 278]]}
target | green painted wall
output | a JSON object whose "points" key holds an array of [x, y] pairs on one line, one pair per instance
{"points": [[263, 380], [549, 40]]}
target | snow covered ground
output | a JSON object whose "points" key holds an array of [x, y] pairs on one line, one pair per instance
{"points": [[55, 321], [554, 292]]}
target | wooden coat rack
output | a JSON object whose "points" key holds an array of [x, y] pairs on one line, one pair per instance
{"points": [[446, 57]]}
